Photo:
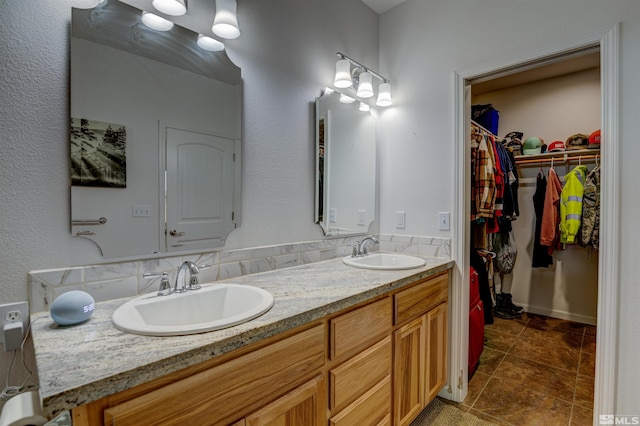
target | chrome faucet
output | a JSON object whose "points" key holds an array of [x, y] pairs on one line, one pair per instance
{"points": [[181, 283], [362, 245]]}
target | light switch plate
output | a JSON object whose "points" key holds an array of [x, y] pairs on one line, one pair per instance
{"points": [[443, 221], [362, 217], [401, 220]]}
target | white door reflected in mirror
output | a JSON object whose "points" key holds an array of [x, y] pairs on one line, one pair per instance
{"points": [[199, 189], [128, 75]]}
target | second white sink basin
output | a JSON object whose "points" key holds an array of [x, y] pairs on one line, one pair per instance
{"points": [[386, 261], [210, 308]]}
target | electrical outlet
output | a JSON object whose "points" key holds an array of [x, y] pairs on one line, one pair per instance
{"points": [[14, 312], [333, 215], [401, 220]]}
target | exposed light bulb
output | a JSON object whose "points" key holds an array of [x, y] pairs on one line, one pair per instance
{"points": [[156, 22], [171, 7], [225, 23]]}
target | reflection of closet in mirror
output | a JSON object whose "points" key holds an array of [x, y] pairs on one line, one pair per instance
{"points": [[125, 73], [345, 166]]}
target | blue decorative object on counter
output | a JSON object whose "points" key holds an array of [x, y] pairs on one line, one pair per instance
{"points": [[72, 307]]}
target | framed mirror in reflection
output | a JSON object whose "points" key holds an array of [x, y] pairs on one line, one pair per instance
{"points": [[345, 166], [181, 108]]}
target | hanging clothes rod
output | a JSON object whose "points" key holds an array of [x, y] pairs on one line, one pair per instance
{"points": [[563, 158], [473, 123]]}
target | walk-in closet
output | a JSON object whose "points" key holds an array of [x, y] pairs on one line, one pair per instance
{"points": [[538, 361]]}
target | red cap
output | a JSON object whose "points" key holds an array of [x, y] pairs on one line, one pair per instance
{"points": [[594, 139], [556, 146]]}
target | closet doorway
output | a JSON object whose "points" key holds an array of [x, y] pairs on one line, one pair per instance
{"points": [[605, 47]]}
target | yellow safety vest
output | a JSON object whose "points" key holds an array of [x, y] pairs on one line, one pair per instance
{"points": [[571, 204]]}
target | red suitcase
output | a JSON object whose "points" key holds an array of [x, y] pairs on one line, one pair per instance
{"points": [[476, 323]]}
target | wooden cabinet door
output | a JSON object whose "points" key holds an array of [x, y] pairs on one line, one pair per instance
{"points": [[305, 405], [436, 351], [409, 375]]}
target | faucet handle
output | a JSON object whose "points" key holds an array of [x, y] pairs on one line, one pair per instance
{"points": [[195, 270], [193, 283], [165, 285]]}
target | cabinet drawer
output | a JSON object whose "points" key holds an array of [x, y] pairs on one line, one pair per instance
{"points": [[417, 300], [358, 329], [218, 395], [372, 408], [354, 378]]}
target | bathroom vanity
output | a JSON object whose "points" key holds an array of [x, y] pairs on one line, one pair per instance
{"points": [[341, 346]]}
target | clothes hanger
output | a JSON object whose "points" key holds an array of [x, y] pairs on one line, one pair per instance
{"points": [[486, 253]]}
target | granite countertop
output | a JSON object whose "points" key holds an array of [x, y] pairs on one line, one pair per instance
{"points": [[83, 363]]}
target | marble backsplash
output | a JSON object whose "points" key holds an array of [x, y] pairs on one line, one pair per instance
{"points": [[110, 281]]}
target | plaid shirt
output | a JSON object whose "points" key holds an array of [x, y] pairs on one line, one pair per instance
{"points": [[484, 180]]}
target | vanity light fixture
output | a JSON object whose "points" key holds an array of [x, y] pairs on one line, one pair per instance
{"points": [[156, 22], [225, 23], [88, 4], [171, 7], [210, 44], [343, 74], [365, 86], [363, 78], [384, 95], [364, 107]]}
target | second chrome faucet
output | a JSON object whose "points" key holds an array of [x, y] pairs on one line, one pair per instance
{"points": [[360, 248]]}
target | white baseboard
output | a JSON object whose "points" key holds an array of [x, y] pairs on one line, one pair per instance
{"points": [[583, 319]]}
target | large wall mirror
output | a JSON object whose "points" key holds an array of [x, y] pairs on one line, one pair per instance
{"points": [[155, 136], [345, 166]]}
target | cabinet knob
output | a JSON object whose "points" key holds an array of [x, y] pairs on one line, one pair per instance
{"points": [[175, 233]]}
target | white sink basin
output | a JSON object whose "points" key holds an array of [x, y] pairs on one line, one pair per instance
{"points": [[386, 261], [210, 308]]}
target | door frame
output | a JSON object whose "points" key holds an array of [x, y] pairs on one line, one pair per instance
{"points": [[608, 40]]}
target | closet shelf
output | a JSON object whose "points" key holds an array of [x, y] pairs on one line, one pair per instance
{"points": [[559, 157]]}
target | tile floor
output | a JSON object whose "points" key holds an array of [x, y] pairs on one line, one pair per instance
{"points": [[535, 371]]}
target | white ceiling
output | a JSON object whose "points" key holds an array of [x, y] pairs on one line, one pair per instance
{"points": [[381, 6]]}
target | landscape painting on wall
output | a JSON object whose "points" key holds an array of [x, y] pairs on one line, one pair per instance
{"points": [[98, 154]]}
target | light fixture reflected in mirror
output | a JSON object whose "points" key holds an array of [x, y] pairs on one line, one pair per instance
{"points": [[364, 107], [345, 77], [346, 99], [210, 44], [156, 22], [87, 4], [225, 23], [171, 7]]}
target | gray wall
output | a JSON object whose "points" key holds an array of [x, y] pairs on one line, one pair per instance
{"points": [[422, 42], [287, 55]]}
